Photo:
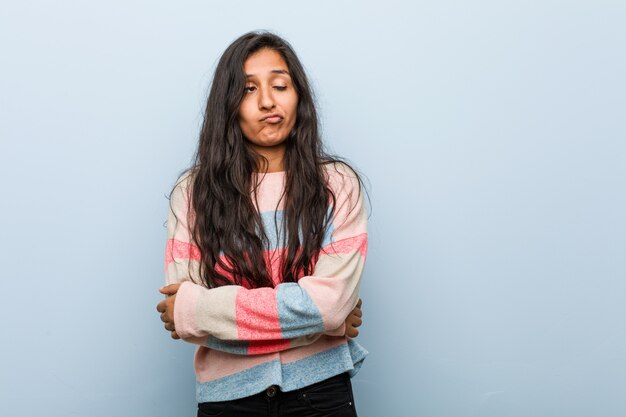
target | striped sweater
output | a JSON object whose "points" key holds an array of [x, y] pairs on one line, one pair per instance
{"points": [[292, 335]]}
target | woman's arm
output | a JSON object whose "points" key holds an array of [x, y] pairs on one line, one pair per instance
{"points": [[315, 304], [182, 260], [243, 347]]}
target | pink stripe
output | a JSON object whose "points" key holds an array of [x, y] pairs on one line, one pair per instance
{"points": [[177, 249], [268, 192], [213, 364], [348, 245], [256, 314], [185, 310]]}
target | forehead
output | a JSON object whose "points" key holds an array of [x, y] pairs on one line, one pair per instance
{"points": [[265, 62]]}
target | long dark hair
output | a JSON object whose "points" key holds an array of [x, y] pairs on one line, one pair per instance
{"points": [[225, 221]]}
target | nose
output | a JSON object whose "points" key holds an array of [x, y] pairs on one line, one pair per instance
{"points": [[266, 99]]}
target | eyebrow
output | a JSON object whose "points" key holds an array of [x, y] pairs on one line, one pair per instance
{"points": [[274, 71]]}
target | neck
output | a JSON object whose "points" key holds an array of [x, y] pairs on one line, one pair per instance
{"points": [[275, 158]]}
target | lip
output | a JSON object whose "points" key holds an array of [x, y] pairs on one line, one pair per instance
{"points": [[272, 118]]}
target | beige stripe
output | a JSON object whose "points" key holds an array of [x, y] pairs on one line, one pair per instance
{"points": [[334, 286], [305, 340], [181, 270], [215, 311], [212, 364]]}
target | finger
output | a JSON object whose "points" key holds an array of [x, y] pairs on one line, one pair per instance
{"points": [[360, 303], [352, 333], [169, 289], [169, 326], [357, 312], [165, 318], [175, 335], [354, 321], [165, 289], [161, 306]]}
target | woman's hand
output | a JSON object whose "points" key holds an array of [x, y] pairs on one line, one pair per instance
{"points": [[354, 320], [166, 308]]}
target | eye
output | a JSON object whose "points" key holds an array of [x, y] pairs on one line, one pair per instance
{"points": [[280, 88], [249, 88]]}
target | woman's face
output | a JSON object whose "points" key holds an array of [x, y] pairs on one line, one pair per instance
{"points": [[268, 92]]}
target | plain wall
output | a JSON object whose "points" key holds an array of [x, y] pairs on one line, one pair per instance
{"points": [[494, 140]]}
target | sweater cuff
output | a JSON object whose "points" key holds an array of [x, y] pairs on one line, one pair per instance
{"points": [[185, 322], [339, 331]]}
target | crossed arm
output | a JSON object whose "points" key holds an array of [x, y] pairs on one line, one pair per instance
{"points": [[262, 320], [166, 308]]}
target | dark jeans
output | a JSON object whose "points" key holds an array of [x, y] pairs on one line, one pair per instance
{"points": [[331, 397]]}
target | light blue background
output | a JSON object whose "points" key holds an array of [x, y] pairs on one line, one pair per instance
{"points": [[494, 138]]}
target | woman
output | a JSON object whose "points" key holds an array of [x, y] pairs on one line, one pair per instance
{"points": [[267, 239]]}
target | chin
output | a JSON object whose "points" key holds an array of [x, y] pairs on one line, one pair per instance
{"points": [[264, 144], [273, 144], [270, 142]]}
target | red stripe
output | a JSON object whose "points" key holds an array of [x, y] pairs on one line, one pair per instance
{"points": [[256, 314], [347, 245], [178, 249], [257, 347]]}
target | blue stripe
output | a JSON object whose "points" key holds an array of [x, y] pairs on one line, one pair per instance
{"points": [[347, 357], [323, 365], [297, 313], [238, 347], [328, 235], [274, 229], [239, 385]]}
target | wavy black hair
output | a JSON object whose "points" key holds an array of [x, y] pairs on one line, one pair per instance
{"points": [[226, 227]]}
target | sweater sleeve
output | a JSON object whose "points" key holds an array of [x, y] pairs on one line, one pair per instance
{"points": [[316, 304], [182, 259]]}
